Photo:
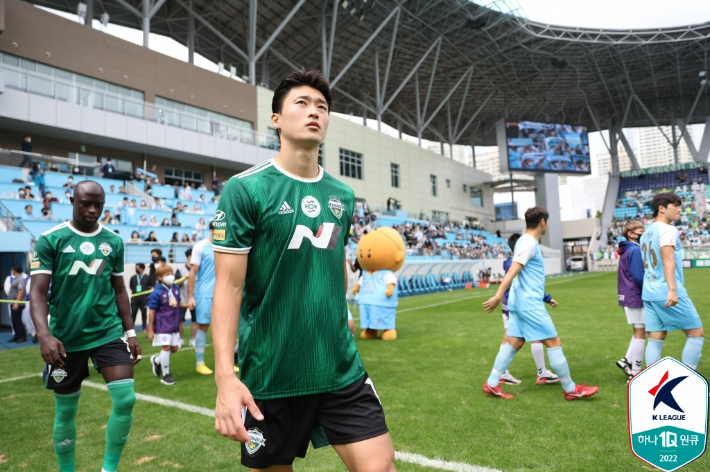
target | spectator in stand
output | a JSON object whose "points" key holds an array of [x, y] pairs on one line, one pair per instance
{"points": [[48, 199], [176, 189], [112, 189], [155, 255], [122, 190], [144, 205], [135, 237], [202, 187], [37, 176], [148, 189], [28, 213], [186, 192], [108, 169], [151, 237], [202, 200], [26, 147], [143, 222], [69, 183], [108, 218], [134, 204], [200, 227], [139, 283], [195, 237], [185, 238], [174, 240], [178, 207], [17, 290], [166, 222], [216, 187], [47, 215], [21, 195], [196, 209], [153, 222], [76, 171], [174, 221]]}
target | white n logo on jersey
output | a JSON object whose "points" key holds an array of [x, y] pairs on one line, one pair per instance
{"points": [[96, 267], [326, 238]]}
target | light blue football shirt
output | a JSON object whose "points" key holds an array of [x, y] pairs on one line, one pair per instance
{"points": [[373, 288], [203, 256], [528, 288], [655, 287]]}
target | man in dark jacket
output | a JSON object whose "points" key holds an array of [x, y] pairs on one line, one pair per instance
{"points": [[139, 283], [630, 288], [26, 147]]}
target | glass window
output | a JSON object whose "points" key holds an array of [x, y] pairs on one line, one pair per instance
{"points": [[63, 92], [274, 142], [98, 100], [126, 92], [64, 75], [28, 65], [113, 88], [169, 171], [476, 197], [350, 164], [159, 101], [197, 176], [41, 86], [12, 60], [100, 84], [134, 109], [137, 94], [46, 70], [189, 122], [320, 154], [82, 79], [465, 189], [432, 180], [113, 104], [448, 183], [177, 172], [188, 174], [394, 171], [15, 79], [204, 126]]}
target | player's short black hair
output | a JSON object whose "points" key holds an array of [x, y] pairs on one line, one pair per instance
{"points": [[663, 200], [157, 250], [163, 260], [297, 78], [188, 253], [534, 216], [17, 267], [211, 224], [512, 240], [141, 265]]}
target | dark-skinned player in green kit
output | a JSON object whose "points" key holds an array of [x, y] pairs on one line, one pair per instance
{"points": [[279, 240], [91, 318]]}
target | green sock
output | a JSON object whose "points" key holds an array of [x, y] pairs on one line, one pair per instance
{"points": [[119, 423], [64, 432]]}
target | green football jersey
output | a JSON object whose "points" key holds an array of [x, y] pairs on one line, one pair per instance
{"points": [[83, 309], [293, 329]]}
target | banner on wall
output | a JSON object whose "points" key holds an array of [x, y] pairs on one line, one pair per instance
{"points": [[662, 169]]}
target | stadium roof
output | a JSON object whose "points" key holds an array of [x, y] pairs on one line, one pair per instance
{"points": [[448, 69]]}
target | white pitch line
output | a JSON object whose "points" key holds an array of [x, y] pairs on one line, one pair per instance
{"points": [[12, 379], [439, 464]]}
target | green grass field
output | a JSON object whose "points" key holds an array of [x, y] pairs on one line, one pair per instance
{"points": [[429, 381]]}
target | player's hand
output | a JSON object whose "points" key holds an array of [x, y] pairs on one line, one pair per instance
{"points": [[16, 306], [135, 350], [351, 325], [232, 396], [389, 292], [150, 335], [191, 303], [356, 289], [52, 351], [672, 299], [553, 303], [491, 304]]}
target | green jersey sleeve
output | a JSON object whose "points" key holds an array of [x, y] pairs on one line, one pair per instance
{"points": [[42, 257], [235, 220], [118, 261]]}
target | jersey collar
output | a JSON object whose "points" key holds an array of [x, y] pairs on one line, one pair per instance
{"points": [[295, 177], [80, 233]]}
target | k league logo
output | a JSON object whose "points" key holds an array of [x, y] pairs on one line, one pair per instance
{"points": [[668, 414]]}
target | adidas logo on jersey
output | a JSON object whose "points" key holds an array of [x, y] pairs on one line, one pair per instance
{"points": [[68, 249], [285, 209]]}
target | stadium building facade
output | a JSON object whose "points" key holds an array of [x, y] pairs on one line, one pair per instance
{"points": [[90, 96]]}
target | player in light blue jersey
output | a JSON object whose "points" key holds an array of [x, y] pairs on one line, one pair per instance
{"points": [[529, 320], [200, 288], [665, 300]]}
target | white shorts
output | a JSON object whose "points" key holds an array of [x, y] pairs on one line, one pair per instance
{"points": [[635, 316], [166, 339]]}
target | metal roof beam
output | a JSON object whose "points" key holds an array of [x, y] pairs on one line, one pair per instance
{"points": [[473, 117], [448, 95], [389, 59], [653, 119], [411, 73], [211, 28], [629, 151], [364, 46], [278, 30]]}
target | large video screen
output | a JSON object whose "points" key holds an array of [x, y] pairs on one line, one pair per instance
{"points": [[547, 147]]}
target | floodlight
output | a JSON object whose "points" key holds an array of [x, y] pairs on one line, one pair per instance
{"points": [[345, 4], [702, 73], [81, 10], [104, 19]]}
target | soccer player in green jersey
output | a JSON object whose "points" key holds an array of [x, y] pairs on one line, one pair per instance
{"points": [[279, 241], [90, 313]]}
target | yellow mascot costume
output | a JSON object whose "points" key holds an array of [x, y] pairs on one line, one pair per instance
{"points": [[380, 253]]}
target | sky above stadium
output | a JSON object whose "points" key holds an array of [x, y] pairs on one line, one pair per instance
{"points": [[617, 14]]}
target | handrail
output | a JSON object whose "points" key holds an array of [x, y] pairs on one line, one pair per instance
{"points": [[16, 225]]}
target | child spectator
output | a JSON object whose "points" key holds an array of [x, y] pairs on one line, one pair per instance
{"points": [[163, 322]]}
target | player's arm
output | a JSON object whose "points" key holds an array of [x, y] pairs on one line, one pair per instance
{"points": [[124, 312], [493, 302], [232, 394], [20, 296], [667, 256], [51, 348], [548, 299], [391, 280], [151, 319], [191, 287]]}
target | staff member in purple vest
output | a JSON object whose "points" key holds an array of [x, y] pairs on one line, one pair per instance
{"points": [[630, 286]]}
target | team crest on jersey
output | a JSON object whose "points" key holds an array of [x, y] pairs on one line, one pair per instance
{"points": [[336, 206], [219, 216], [310, 206], [105, 249], [59, 375], [87, 248], [257, 440]]}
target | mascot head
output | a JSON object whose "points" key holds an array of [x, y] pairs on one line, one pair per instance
{"points": [[382, 249]]}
